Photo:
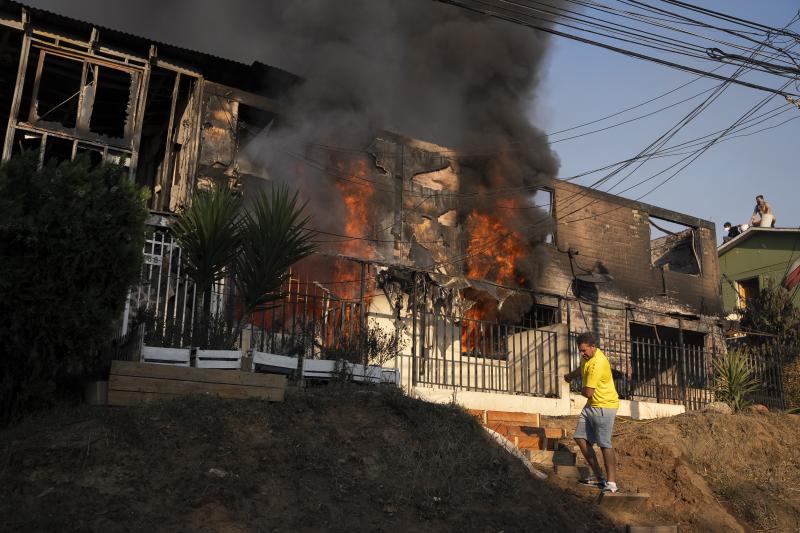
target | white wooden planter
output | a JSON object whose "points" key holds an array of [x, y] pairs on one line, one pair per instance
{"points": [[373, 374], [274, 364], [220, 359], [390, 376], [166, 356], [318, 369]]}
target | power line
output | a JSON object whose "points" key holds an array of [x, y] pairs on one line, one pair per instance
{"points": [[465, 5]]}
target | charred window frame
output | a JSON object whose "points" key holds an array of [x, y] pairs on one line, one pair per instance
{"points": [[674, 246], [76, 100], [92, 97]]}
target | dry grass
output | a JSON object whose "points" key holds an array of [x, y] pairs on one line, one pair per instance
{"points": [[339, 458]]}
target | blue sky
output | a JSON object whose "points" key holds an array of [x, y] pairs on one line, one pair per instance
{"points": [[583, 83]]}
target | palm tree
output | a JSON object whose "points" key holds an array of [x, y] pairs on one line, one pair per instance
{"points": [[208, 232], [274, 236]]}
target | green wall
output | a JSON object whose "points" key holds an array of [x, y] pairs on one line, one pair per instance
{"points": [[763, 255]]}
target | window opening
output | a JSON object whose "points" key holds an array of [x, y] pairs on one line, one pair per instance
{"points": [[746, 289], [673, 246]]}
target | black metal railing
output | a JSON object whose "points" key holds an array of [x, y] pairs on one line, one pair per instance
{"points": [[479, 355], [676, 373]]}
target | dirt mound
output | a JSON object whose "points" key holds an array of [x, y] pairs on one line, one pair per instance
{"points": [[745, 465], [710, 471], [331, 460]]}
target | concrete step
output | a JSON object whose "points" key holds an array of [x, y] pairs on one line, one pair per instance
{"points": [[621, 501], [550, 457], [651, 529], [571, 471]]}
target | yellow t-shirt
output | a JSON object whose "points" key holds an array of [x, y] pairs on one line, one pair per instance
{"points": [[596, 373]]}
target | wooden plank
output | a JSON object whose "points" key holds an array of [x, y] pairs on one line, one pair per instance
{"points": [[528, 443], [244, 97], [172, 386], [572, 472], [219, 364], [561, 457], [202, 375], [522, 436], [620, 501], [526, 419], [124, 397]]}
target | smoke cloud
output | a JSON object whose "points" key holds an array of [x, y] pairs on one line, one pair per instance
{"points": [[419, 68]]}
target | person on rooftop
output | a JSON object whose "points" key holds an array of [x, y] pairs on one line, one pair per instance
{"points": [[763, 216], [732, 231]]}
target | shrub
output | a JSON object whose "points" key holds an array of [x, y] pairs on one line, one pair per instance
{"points": [[791, 383], [71, 238], [734, 380]]}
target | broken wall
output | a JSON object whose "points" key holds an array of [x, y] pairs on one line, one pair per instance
{"points": [[610, 238]]}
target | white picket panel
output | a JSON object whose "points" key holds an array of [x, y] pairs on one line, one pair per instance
{"points": [[166, 356], [220, 359]]}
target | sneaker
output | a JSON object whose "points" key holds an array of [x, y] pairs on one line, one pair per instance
{"points": [[610, 487], [593, 482]]}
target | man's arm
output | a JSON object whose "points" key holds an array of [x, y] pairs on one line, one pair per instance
{"points": [[575, 374], [591, 382]]}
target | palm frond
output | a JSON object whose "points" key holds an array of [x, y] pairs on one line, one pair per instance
{"points": [[274, 236], [208, 234], [734, 380]]}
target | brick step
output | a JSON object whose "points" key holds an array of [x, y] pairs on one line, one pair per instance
{"points": [[550, 457], [507, 417], [555, 433], [619, 501], [525, 443], [527, 437], [572, 471]]}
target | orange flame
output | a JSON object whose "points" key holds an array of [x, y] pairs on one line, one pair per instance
{"points": [[492, 250], [357, 194]]}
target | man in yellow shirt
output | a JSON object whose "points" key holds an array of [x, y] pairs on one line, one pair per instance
{"points": [[596, 422]]}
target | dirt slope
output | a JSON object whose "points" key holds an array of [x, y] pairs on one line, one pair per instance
{"points": [[326, 460], [711, 472]]}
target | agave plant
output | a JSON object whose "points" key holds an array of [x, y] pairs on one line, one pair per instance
{"points": [[274, 235], [208, 232], [734, 380]]}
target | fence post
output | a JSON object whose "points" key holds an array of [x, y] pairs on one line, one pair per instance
{"points": [[363, 314], [683, 364], [414, 333]]}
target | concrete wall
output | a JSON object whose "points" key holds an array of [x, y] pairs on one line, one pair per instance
{"points": [[544, 406]]}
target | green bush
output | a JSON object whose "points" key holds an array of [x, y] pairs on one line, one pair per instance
{"points": [[71, 239], [734, 380]]}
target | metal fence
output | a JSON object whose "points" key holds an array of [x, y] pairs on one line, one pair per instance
{"points": [[478, 355], [676, 373]]}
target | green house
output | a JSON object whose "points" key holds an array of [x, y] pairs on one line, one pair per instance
{"points": [[754, 258]]}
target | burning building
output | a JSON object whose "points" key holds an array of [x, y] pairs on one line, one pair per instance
{"points": [[480, 259]]}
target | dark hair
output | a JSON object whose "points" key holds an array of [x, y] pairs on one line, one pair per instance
{"points": [[726, 225], [760, 196], [586, 338]]}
